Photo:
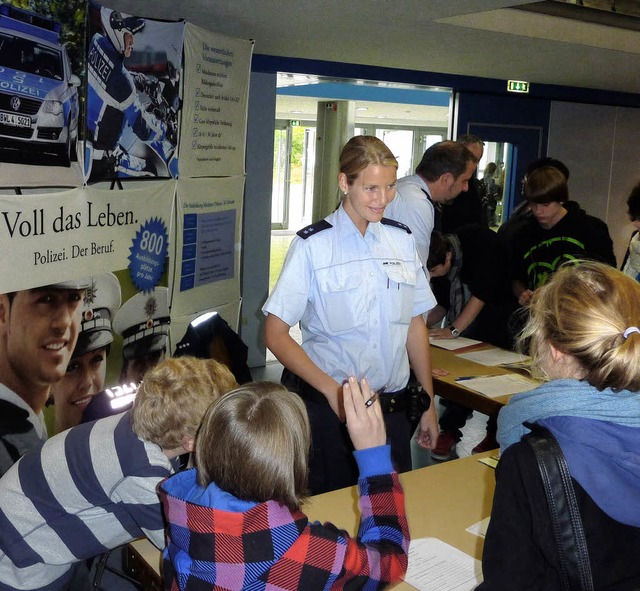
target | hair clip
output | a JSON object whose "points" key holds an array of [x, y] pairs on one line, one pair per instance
{"points": [[630, 330]]}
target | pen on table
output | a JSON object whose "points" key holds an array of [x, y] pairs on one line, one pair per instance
{"points": [[371, 400], [464, 378]]}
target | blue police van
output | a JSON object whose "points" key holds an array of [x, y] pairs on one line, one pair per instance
{"points": [[39, 103]]}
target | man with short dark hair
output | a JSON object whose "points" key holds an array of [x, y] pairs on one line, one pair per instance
{"points": [[38, 332], [468, 207], [443, 173]]}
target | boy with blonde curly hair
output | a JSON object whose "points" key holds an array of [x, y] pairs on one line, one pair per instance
{"points": [[92, 488]]}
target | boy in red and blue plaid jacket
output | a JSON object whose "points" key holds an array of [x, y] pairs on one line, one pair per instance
{"points": [[235, 521]]}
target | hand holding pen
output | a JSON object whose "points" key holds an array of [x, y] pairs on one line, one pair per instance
{"points": [[365, 421]]}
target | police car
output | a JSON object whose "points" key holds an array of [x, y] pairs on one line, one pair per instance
{"points": [[38, 92]]}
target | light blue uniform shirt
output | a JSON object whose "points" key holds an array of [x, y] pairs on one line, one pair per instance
{"points": [[354, 297], [412, 207]]}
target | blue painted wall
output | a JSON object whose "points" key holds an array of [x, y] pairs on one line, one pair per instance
{"points": [[519, 120]]}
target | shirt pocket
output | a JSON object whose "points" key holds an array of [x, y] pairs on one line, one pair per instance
{"points": [[400, 293], [342, 300]]}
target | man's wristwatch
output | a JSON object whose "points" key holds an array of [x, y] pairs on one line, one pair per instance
{"points": [[455, 333]]}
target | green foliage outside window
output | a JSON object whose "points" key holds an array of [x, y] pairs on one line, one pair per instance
{"points": [[71, 15]]}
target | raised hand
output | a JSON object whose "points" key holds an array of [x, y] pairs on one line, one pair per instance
{"points": [[365, 423]]}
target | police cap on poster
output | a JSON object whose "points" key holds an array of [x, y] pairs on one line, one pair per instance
{"points": [[80, 283], [101, 301], [143, 322]]}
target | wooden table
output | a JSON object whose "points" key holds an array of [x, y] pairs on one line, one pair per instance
{"points": [[448, 388], [442, 501]]}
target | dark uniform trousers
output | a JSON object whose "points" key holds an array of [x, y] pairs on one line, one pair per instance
{"points": [[331, 463]]}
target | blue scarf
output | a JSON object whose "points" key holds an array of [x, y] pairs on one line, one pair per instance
{"points": [[571, 398]]}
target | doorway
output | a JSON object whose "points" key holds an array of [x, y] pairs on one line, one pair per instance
{"points": [[521, 146], [408, 128], [494, 176]]}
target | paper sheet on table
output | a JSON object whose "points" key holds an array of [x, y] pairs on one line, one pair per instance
{"points": [[479, 529], [434, 565], [493, 357], [491, 461], [495, 386], [454, 344]]}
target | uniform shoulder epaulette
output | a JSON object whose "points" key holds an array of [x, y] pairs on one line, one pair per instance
{"points": [[395, 224], [314, 229]]}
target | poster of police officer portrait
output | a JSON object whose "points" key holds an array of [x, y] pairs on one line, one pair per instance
{"points": [[84, 292], [134, 67], [41, 65]]}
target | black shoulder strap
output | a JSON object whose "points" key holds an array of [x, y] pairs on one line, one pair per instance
{"points": [[314, 229], [395, 224], [437, 212], [565, 515]]}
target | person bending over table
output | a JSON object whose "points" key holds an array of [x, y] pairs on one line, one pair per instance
{"points": [[476, 303]]}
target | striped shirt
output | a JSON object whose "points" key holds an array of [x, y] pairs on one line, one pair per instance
{"points": [[88, 490]]}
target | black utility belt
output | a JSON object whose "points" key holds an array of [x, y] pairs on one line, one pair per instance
{"points": [[394, 401], [411, 400]]}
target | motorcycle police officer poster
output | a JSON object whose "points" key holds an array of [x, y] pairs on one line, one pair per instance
{"points": [[133, 95]]}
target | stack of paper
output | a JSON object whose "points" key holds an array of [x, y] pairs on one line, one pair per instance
{"points": [[434, 565], [454, 344], [493, 357], [496, 386]]}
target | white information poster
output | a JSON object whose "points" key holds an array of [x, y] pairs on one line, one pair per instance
{"points": [[208, 235], [49, 237], [113, 245], [214, 110]]}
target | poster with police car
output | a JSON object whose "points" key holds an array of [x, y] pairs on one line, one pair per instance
{"points": [[41, 63], [133, 95]]}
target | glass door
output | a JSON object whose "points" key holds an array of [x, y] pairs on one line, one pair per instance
{"points": [[281, 176], [493, 174], [293, 161]]}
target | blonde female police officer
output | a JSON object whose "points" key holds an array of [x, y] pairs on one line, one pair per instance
{"points": [[355, 283]]}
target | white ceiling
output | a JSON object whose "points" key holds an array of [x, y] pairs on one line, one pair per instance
{"points": [[486, 38]]}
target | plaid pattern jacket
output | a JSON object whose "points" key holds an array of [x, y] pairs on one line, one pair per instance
{"points": [[272, 548]]}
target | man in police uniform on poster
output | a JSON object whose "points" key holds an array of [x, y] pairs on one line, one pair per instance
{"points": [[38, 332]]}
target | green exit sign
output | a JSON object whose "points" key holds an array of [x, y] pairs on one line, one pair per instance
{"points": [[517, 86], [295, 122]]}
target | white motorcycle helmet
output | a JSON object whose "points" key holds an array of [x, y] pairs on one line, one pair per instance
{"points": [[115, 26]]}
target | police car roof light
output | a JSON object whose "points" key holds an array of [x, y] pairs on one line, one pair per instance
{"points": [[28, 23], [30, 18]]}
